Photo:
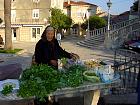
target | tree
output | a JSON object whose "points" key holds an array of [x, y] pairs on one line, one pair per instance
{"points": [[7, 18], [95, 22], [135, 6], [59, 20]]}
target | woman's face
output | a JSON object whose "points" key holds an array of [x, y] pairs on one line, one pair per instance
{"points": [[50, 35]]}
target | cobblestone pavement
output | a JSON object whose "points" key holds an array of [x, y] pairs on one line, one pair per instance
{"points": [[68, 43]]}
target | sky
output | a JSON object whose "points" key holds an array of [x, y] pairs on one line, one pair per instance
{"points": [[118, 6]]}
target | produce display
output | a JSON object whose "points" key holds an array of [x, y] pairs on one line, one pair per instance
{"points": [[41, 80]]}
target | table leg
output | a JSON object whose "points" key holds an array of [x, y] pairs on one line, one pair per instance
{"points": [[91, 97]]}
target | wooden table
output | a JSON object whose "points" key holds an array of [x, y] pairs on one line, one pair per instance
{"points": [[91, 91]]}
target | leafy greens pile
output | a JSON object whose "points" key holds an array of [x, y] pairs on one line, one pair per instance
{"points": [[41, 80], [38, 81], [73, 77]]}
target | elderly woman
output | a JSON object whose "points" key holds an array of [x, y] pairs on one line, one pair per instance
{"points": [[48, 51]]}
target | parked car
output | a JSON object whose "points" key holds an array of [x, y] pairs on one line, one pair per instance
{"points": [[133, 45], [127, 43]]}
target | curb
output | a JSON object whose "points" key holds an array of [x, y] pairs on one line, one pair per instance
{"points": [[21, 52]]}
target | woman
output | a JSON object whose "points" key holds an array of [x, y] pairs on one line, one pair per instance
{"points": [[48, 51]]}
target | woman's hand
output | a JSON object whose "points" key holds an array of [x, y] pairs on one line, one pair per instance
{"points": [[54, 62], [75, 56]]}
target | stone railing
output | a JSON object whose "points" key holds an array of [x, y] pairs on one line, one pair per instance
{"points": [[128, 32], [103, 31]]}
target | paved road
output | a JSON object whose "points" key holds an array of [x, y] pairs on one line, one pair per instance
{"points": [[68, 43]]}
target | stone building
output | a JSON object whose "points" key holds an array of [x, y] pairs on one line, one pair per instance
{"points": [[28, 18]]}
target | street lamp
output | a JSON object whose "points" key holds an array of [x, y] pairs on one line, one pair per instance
{"points": [[88, 30], [109, 4]]}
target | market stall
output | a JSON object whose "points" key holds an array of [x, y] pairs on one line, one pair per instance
{"points": [[87, 77]]}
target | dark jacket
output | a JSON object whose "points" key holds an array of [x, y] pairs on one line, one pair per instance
{"points": [[46, 51]]}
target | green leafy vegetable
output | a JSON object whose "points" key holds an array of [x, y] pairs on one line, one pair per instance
{"points": [[39, 81], [73, 77], [7, 89], [90, 74]]}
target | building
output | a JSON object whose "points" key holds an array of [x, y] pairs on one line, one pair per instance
{"points": [[100, 12], [134, 10], [78, 11], [28, 19], [121, 17]]}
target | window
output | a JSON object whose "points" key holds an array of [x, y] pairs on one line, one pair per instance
{"points": [[33, 32], [36, 1], [36, 32], [35, 14], [13, 15]]}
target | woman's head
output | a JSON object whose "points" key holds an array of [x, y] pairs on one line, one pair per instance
{"points": [[48, 33]]}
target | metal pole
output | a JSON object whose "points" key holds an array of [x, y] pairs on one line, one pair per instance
{"points": [[108, 25], [88, 31], [88, 28]]}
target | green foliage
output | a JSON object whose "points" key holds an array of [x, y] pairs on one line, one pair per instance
{"points": [[1, 20], [73, 77], [7, 89], [135, 6], [59, 20], [39, 81], [10, 51], [95, 22]]}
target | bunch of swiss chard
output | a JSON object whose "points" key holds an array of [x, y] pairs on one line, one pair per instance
{"points": [[73, 77], [39, 81]]}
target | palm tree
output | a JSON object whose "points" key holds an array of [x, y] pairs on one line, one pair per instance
{"points": [[7, 18]]}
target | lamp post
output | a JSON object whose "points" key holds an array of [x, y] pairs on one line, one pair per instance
{"points": [[88, 30], [109, 4]]}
